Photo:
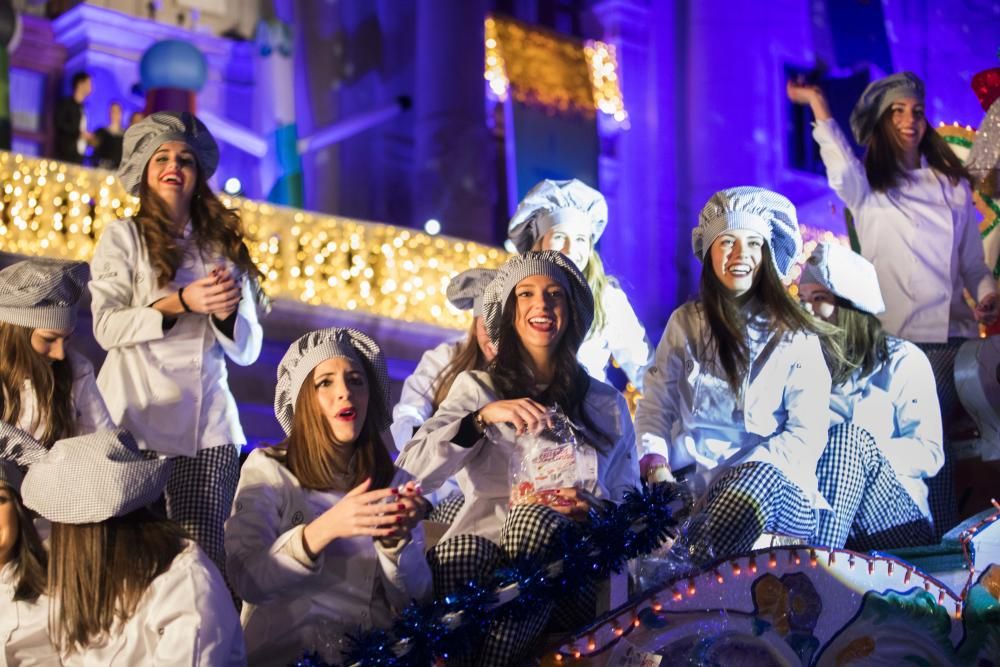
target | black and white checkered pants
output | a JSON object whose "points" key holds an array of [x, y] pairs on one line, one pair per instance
{"points": [[941, 487], [871, 509], [528, 532], [446, 510], [746, 501], [200, 495]]}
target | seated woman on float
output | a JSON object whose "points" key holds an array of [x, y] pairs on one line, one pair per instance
{"points": [[885, 423], [737, 400]]}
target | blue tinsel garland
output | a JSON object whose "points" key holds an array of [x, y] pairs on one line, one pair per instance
{"points": [[613, 535]]}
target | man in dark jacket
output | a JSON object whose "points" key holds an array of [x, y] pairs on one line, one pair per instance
{"points": [[72, 136]]}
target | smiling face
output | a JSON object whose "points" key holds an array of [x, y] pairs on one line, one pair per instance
{"points": [[571, 238], [172, 173], [342, 392], [909, 124], [542, 313], [735, 256], [50, 343], [819, 301]]}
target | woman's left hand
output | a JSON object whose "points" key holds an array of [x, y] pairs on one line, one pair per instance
{"points": [[224, 277], [409, 509], [569, 501], [988, 309]]}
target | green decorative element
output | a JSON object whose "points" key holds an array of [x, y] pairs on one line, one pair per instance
{"points": [[996, 211], [287, 189], [958, 141], [982, 627], [852, 231]]}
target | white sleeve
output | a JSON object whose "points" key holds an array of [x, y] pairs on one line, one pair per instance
{"points": [[406, 576], [117, 321], [915, 449], [91, 412], [415, 399], [627, 339], [431, 456], [658, 409], [976, 274], [623, 468], [248, 336], [262, 563], [800, 443], [844, 170]]}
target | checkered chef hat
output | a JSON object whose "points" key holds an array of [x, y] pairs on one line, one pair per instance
{"points": [[769, 214], [142, 139], [42, 293], [879, 96], [314, 348], [91, 478], [465, 291], [537, 263], [845, 273], [18, 450], [551, 203]]}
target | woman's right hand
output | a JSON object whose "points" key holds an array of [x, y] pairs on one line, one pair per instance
{"points": [[360, 512], [524, 414], [211, 296], [811, 95]]}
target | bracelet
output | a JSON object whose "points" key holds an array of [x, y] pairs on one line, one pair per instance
{"points": [[180, 297], [479, 422]]}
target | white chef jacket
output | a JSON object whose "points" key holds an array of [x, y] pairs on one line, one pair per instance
{"points": [[416, 398], [922, 237], [622, 337], [293, 604], [482, 470], [898, 405], [24, 628], [186, 617], [168, 387], [690, 415], [91, 412]]}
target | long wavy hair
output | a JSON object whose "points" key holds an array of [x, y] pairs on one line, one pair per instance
{"points": [[468, 357], [513, 375], [215, 228], [99, 572], [52, 384], [883, 153], [598, 281], [30, 558], [309, 451], [862, 340], [728, 320]]}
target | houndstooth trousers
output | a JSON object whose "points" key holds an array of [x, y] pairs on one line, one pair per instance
{"points": [[528, 532], [871, 509], [199, 497]]}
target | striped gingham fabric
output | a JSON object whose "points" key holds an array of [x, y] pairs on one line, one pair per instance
{"points": [[528, 533], [314, 348], [941, 487], [768, 213], [142, 139], [465, 291], [42, 293], [542, 263], [18, 450], [94, 477], [871, 509], [550, 202]]}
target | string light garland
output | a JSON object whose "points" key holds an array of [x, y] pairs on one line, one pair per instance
{"points": [[53, 209]]}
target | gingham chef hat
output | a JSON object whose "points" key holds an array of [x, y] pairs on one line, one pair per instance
{"points": [[537, 263], [91, 478], [845, 273], [18, 450], [42, 293], [551, 203], [767, 213], [314, 348], [142, 139], [878, 96], [465, 291]]}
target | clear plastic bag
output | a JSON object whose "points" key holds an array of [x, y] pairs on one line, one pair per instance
{"points": [[553, 459]]}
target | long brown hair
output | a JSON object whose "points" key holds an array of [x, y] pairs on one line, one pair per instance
{"points": [[216, 229], [882, 157], [863, 342], [728, 322], [30, 559], [52, 384], [311, 454], [99, 572], [469, 357]]}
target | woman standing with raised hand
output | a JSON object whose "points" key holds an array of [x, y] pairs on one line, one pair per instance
{"points": [[46, 389], [325, 533], [570, 217], [174, 293], [737, 402]]}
